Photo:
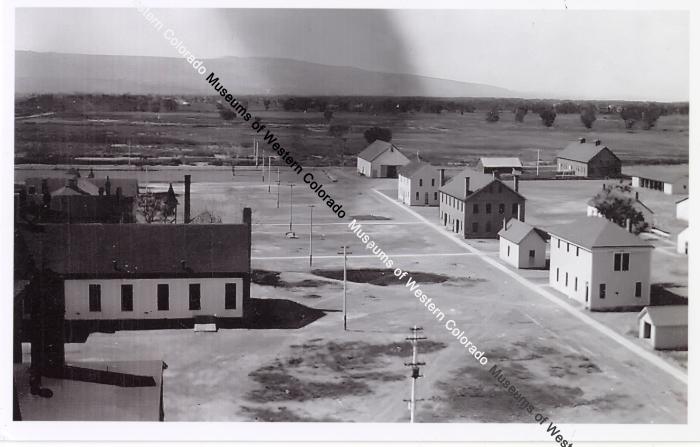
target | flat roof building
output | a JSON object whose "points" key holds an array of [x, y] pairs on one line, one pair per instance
{"points": [[499, 165]]}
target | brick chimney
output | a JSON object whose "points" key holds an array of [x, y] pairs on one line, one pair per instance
{"points": [[466, 186], [581, 140], [521, 218], [187, 198], [516, 183], [597, 142]]}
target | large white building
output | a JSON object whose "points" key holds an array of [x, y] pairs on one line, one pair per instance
{"points": [[419, 183], [667, 179], [522, 245], [381, 159], [600, 264], [144, 275], [666, 327]]}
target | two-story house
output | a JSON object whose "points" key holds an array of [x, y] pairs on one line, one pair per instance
{"points": [[598, 263], [419, 183]]}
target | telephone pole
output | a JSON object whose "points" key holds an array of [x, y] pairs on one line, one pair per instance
{"points": [[263, 165], [291, 198], [415, 369], [278, 193], [311, 232], [345, 254], [538, 163], [269, 173]]}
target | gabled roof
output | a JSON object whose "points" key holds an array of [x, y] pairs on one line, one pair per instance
{"points": [[477, 180], [413, 167], [501, 162], [124, 250], [516, 231], [582, 152], [667, 173], [377, 148], [129, 186], [676, 315], [594, 232]]}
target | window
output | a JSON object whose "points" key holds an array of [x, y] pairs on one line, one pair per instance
{"points": [[127, 297], [514, 209], [163, 297], [602, 291], [475, 208], [532, 254], [417, 195], [434, 196], [475, 227], [558, 243], [638, 289], [557, 274], [432, 182], [95, 295], [622, 262], [576, 251], [575, 283], [420, 182], [568, 246], [488, 208], [195, 296], [501, 208], [230, 295], [566, 279], [508, 251]]}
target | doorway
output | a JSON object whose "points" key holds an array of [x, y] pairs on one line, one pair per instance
{"points": [[426, 198], [647, 330], [391, 172]]}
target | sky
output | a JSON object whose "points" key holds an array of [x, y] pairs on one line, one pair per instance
{"points": [[636, 55]]}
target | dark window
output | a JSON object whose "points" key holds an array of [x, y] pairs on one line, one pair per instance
{"points": [[508, 251], [618, 261], [575, 283], [95, 294], [625, 262], [558, 243], [566, 279], [501, 208], [195, 297], [230, 296], [514, 209], [488, 208], [432, 182], [127, 297], [420, 182], [557, 274], [32, 190], [638, 289], [602, 291], [532, 253], [417, 195], [475, 208], [434, 196], [576, 251], [475, 227], [163, 297]]}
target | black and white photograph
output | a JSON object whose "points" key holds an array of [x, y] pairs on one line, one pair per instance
{"points": [[458, 216]]}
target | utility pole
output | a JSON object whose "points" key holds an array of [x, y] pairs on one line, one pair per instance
{"points": [[255, 152], [263, 165], [278, 193], [311, 232], [415, 369], [291, 198], [269, 173], [345, 254], [538, 163]]}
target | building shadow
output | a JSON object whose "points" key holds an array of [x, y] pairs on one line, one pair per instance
{"points": [[661, 296]]}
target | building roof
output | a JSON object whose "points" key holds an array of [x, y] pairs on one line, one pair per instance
{"points": [[682, 199], [129, 186], [501, 162], [666, 173], [676, 315], [516, 231], [582, 152], [477, 180], [130, 250], [594, 232], [79, 400], [413, 167], [377, 148]]}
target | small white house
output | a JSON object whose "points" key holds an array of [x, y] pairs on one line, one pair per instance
{"points": [[522, 245], [600, 264], [666, 327], [419, 183], [682, 209], [381, 159], [682, 242]]}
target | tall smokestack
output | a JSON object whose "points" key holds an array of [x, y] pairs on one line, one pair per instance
{"points": [[504, 224], [441, 177], [187, 198], [516, 183], [466, 186], [248, 220]]}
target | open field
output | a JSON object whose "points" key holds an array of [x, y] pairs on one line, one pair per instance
{"points": [[318, 372], [443, 138]]}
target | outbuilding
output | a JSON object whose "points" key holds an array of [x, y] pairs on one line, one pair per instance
{"points": [[592, 160], [381, 159], [666, 327], [522, 245], [667, 179], [499, 165]]}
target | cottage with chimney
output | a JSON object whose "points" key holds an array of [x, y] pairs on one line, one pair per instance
{"points": [[419, 183], [381, 159], [600, 264], [592, 160], [475, 205], [523, 246], [112, 276]]}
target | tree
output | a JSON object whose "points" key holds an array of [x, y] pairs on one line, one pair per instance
{"points": [[227, 114], [266, 103], [548, 116], [650, 115], [493, 115], [630, 115], [340, 131], [328, 115], [616, 204], [520, 112], [151, 207], [377, 133], [588, 115]]}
